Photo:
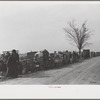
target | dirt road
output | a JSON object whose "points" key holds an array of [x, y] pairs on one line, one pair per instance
{"points": [[85, 72]]}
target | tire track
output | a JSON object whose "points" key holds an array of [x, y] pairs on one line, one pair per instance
{"points": [[76, 73]]}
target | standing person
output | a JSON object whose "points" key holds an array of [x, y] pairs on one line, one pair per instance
{"points": [[12, 65], [45, 58]]}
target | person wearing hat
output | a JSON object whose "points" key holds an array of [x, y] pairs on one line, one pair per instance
{"points": [[12, 65]]}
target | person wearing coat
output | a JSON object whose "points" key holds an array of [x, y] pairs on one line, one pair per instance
{"points": [[12, 65]]}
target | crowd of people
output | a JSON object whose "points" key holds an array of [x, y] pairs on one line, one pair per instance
{"points": [[9, 64], [50, 60]]}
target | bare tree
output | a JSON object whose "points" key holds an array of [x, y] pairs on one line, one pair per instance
{"points": [[79, 36]]}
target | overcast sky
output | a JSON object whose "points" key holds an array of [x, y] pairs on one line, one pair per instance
{"points": [[30, 25]]}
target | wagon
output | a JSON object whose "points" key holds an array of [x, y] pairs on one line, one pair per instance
{"points": [[86, 53]]}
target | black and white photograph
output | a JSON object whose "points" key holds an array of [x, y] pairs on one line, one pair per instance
{"points": [[49, 43]]}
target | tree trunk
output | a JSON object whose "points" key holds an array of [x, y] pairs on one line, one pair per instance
{"points": [[80, 56]]}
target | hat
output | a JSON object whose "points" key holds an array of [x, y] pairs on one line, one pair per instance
{"points": [[14, 50]]}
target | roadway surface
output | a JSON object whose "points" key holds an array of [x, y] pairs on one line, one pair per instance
{"points": [[85, 72]]}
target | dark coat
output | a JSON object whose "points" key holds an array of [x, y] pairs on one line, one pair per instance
{"points": [[12, 65]]}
